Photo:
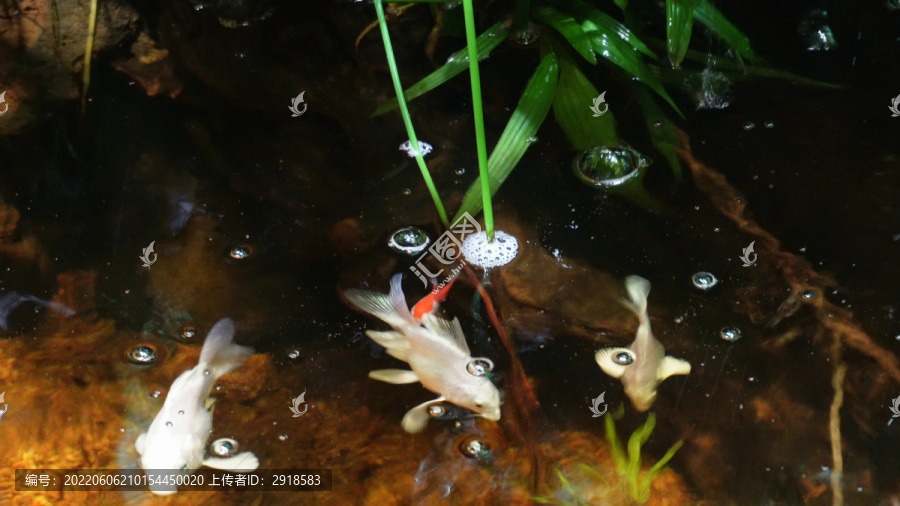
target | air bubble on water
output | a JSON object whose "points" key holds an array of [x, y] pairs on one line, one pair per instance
{"points": [[657, 124], [409, 241], [528, 36], [608, 166], [240, 252], [169, 424], [188, 331], [712, 91], [156, 393], [407, 192], [704, 280], [809, 295], [480, 366], [475, 448], [730, 334], [283, 437], [424, 148], [769, 124], [294, 354], [142, 354], [623, 358], [181, 412], [749, 126], [460, 171], [206, 372], [224, 447], [815, 32], [436, 410]]}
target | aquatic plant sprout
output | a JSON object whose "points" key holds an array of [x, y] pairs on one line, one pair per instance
{"points": [[404, 111]]}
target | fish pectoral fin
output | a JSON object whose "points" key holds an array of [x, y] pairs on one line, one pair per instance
{"points": [[395, 376], [141, 443], [243, 462], [671, 366], [396, 344], [605, 360], [210, 403], [415, 420]]}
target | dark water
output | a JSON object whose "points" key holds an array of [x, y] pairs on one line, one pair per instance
{"points": [[312, 200]]}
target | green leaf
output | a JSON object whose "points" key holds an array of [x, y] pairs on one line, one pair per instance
{"points": [[679, 22], [705, 13], [457, 63], [599, 20], [615, 448], [568, 28], [573, 112], [662, 131], [519, 132], [655, 471]]}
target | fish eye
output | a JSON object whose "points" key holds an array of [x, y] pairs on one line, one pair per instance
{"points": [[479, 405]]}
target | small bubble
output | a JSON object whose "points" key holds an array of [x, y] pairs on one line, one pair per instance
{"points": [[802, 249], [156, 393], [224, 447], [142, 354], [751, 379], [460, 171], [181, 412], [623, 358], [769, 124], [704, 280], [657, 124], [169, 424], [730, 334], [206, 372], [809, 294], [475, 448], [240, 252], [407, 192], [479, 366], [679, 319], [749, 126], [188, 331], [283, 437], [409, 240], [436, 410], [294, 354]]}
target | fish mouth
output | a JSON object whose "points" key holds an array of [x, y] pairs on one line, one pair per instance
{"points": [[493, 415]]}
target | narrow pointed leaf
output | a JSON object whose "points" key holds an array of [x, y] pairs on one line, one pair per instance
{"points": [[572, 108], [568, 28], [679, 22], [662, 131], [705, 13], [517, 136], [601, 21], [456, 64]]}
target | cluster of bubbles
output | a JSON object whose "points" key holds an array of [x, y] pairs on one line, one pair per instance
{"points": [[710, 90], [479, 251], [608, 166], [817, 35], [409, 241], [424, 148]]}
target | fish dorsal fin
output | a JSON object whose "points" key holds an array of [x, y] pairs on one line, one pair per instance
{"points": [[450, 330], [389, 308], [671, 366]]}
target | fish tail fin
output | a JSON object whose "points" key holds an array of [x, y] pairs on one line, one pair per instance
{"points": [[391, 308], [220, 354], [638, 290]]}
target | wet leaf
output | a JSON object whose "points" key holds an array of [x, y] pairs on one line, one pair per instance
{"points": [[568, 28], [519, 132], [599, 20], [705, 13], [455, 65], [572, 109], [679, 22], [662, 131]]}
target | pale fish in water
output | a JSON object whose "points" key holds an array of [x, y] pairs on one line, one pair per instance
{"points": [[176, 439], [643, 365], [436, 351]]}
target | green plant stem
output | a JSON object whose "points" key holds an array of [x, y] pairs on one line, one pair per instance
{"points": [[404, 111], [478, 113]]}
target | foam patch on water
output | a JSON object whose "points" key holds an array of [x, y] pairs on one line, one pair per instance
{"points": [[482, 253]]}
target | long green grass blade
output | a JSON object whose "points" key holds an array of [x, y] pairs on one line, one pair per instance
{"points": [[615, 448], [705, 13], [568, 28], [662, 131], [655, 471], [679, 22], [457, 63], [407, 121], [478, 116], [599, 20], [572, 110], [519, 132]]}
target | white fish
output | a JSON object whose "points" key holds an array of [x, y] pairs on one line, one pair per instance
{"points": [[436, 351], [643, 365], [177, 436]]}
